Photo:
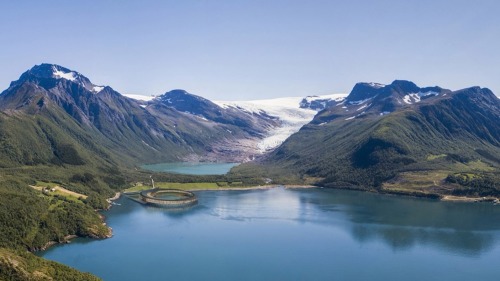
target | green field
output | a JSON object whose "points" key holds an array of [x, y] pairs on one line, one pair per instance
{"points": [[187, 186]]}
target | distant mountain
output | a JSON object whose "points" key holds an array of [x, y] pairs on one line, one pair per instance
{"points": [[367, 99], [267, 122], [377, 134], [291, 114], [255, 124], [64, 113], [319, 103], [60, 108], [384, 136]]}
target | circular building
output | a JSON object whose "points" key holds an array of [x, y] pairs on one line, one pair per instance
{"points": [[168, 198]]}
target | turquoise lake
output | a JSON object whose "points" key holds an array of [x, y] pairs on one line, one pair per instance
{"points": [[191, 168], [294, 234]]}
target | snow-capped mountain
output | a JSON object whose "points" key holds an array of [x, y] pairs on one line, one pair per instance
{"points": [[383, 133], [319, 103], [57, 72], [288, 114], [373, 99], [104, 119], [359, 140]]}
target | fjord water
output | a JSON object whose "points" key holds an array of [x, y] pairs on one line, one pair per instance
{"points": [[191, 168], [294, 234]]}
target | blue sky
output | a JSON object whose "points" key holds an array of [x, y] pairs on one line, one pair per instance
{"points": [[237, 50]]}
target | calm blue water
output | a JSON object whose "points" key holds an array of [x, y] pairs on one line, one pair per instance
{"points": [[191, 168], [282, 234]]}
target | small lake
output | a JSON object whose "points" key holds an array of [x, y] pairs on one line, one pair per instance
{"points": [[294, 234], [191, 168]]}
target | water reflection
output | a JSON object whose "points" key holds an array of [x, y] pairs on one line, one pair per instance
{"points": [[403, 223], [294, 235]]}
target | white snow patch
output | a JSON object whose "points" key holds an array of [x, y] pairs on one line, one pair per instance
{"points": [[361, 113], [376, 85], [364, 106], [139, 97], [384, 113], [358, 102], [350, 118], [143, 105], [71, 76], [336, 97], [429, 93], [407, 99], [97, 89], [416, 97]]}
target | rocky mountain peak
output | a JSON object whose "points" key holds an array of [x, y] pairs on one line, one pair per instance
{"points": [[404, 86], [48, 75], [363, 91], [319, 103], [186, 102]]}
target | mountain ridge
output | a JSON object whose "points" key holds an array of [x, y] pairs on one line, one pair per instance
{"points": [[362, 144], [190, 128]]}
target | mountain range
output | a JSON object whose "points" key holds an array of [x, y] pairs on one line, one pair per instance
{"points": [[54, 116], [401, 138], [363, 139], [67, 119], [58, 128]]}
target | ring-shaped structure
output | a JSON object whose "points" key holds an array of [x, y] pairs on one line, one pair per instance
{"points": [[184, 198]]}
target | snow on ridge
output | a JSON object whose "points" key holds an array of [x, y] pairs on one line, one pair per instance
{"points": [[75, 77], [71, 76], [139, 97], [336, 97], [428, 93], [416, 97], [376, 85], [358, 102], [97, 89], [407, 99], [363, 106]]}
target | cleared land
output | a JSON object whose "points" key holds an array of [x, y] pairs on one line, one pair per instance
{"points": [[58, 190]]}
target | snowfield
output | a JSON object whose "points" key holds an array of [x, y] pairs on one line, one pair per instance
{"points": [[287, 110], [140, 97]]}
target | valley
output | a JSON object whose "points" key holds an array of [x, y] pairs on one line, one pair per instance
{"points": [[67, 145]]}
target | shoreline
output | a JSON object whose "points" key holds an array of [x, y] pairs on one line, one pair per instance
{"points": [[67, 239], [257, 187], [453, 198], [440, 197], [116, 197]]}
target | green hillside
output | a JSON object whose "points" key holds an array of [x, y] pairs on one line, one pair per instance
{"points": [[454, 135]]}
